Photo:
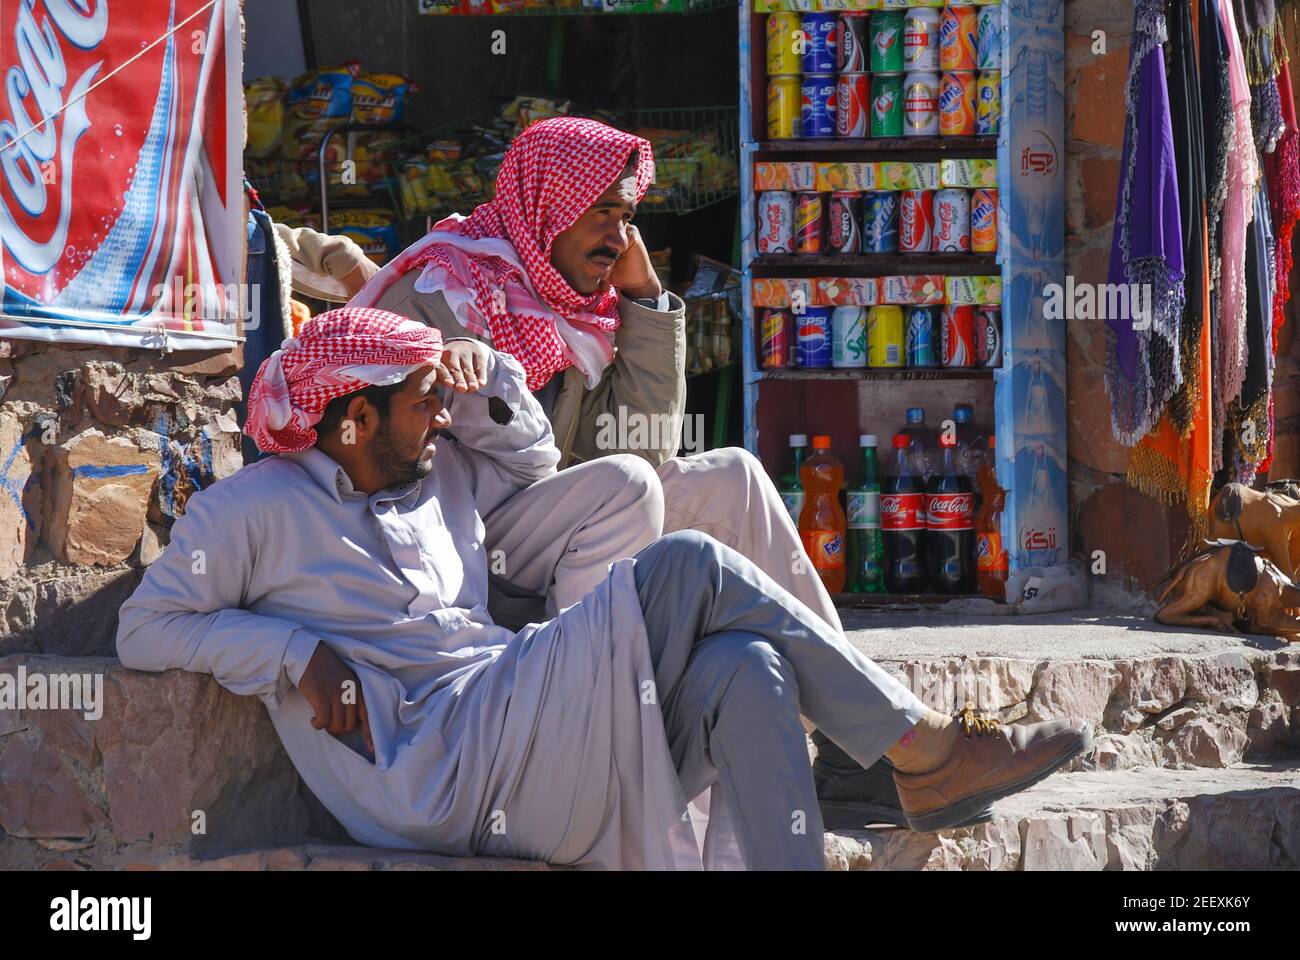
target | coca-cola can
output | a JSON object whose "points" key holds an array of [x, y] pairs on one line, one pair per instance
{"points": [[988, 336], [843, 233], [957, 336], [853, 52], [852, 105], [915, 221], [809, 223], [952, 221], [775, 222], [776, 348]]}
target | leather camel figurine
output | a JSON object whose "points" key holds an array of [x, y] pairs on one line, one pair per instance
{"points": [[1231, 581], [1263, 518]]}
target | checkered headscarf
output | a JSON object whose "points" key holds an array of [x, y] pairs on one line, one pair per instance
{"points": [[337, 353], [497, 261]]}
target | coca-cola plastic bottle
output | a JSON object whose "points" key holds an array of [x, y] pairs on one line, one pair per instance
{"points": [[925, 448], [902, 520], [950, 525]]}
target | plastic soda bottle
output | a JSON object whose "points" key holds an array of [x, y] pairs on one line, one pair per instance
{"points": [[902, 518], [791, 487], [990, 556], [925, 445], [821, 524], [866, 540]]}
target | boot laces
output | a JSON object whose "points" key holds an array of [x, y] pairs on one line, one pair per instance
{"points": [[972, 724]]}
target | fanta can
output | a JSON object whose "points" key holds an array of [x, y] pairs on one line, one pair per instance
{"points": [[821, 523]]}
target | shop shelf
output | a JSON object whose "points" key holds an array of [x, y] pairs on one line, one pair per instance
{"points": [[966, 146], [881, 264], [608, 8], [867, 600], [876, 373]]}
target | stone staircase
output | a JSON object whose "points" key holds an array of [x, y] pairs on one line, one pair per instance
{"points": [[1195, 764]]}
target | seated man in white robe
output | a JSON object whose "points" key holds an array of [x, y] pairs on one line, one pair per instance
{"points": [[344, 582]]}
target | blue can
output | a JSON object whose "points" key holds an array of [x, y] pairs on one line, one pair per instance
{"points": [[819, 50], [880, 222], [818, 97], [812, 342], [920, 337]]}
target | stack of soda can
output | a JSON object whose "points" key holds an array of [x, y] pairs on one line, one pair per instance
{"points": [[922, 72], [879, 221], [885, 336]]}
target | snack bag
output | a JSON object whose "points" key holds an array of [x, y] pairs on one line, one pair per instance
{"points": [[372, 230], [265, 99], [323, 93], [380, 97]]}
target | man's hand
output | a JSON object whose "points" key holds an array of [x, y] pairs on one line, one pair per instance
{"points": [[464, 365], [334, 693], [632, 273]]}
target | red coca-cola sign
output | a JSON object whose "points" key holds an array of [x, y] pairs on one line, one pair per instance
{"points": [[902, 511], [118, 128], [950, 511]]}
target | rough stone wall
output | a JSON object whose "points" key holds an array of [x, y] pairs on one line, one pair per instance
{"points": [[99, 450], [1141, 537]]}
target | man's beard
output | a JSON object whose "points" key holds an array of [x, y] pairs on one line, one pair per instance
{"points": [[391, 463]]}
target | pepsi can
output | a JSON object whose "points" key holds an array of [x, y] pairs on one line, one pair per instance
{"points": [[988, 336], [920, 338], [817, 99], [880, 223], [812, 344], [843, 233], [819, 47]]}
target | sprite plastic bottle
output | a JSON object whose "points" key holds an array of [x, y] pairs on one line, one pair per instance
{"points": [[866, 542], [791, 487]]}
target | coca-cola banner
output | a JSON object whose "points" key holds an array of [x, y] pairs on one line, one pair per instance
{"points": [[121, 208]]}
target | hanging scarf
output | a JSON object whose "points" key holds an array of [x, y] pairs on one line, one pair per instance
{"points": [[1248, 421], [1143, 367], [1282, 169], [1238, 212], [1172, 463], [494, 267]]}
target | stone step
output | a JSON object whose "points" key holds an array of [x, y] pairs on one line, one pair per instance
{"points": [[1246, 817], [1156, 696]]}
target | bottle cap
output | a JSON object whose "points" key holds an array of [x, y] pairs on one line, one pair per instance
{"points": [[946, 440], [821, 442], [868, 440], [798, 439], [962, 413], [902, 441], [916, 414], [992, 442]]}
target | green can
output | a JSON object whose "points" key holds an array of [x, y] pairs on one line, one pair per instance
{"points": [[887, 105], [887, 41]]}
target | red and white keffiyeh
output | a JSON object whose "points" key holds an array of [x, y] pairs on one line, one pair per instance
{"points": [[494, 267], [339, 352]]}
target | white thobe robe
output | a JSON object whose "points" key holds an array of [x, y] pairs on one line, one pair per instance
{"points": [[539, 744]]}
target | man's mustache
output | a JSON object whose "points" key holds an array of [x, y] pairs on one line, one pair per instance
{"points": [[604, 252]]}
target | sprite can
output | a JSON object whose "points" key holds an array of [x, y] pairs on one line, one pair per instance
{"points": [[887, 105], [849, 337], [887, 41]]}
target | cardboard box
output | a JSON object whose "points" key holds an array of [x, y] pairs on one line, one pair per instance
{"points": [[973, 291], [785, 175], [845, 176], [969, 173], [782, 291], [847, 291], [916, 288]]}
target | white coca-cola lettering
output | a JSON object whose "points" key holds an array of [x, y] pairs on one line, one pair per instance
{"points": [[954, 511], [41, 74], [901, 511]]}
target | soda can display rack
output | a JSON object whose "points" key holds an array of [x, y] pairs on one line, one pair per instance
{"points": [[1022, 401], [571, 8]]}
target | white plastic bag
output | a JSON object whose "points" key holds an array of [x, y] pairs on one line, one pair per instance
{"points": [[1048, 589]]}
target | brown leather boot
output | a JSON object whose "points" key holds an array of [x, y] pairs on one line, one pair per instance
{"points": [[991, 762]]}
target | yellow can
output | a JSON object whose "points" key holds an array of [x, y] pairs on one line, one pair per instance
{"points": [[886, 338], [784, 107], [782, 49]]}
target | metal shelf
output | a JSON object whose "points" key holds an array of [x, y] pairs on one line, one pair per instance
{"points": [[970, 146], [660, 8], [882, 264], [879, 373]]}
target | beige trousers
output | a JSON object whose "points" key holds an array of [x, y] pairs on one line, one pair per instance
{"points": [[558, 536]]}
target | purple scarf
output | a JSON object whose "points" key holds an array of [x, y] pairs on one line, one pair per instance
{"points": [[1142, 365]]}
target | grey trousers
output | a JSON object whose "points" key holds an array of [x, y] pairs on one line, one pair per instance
{"points": [[737, 660]]}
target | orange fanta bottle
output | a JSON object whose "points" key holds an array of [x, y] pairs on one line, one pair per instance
{"points": [[821, 524]]}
